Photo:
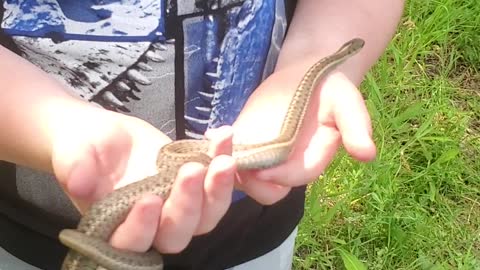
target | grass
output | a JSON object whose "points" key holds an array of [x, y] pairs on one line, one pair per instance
{"points": [[418, 205]]}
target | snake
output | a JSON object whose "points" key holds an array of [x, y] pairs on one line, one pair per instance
{"points": [[88, 244]]}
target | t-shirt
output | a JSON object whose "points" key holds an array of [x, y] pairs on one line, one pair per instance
{"points": [[183, 66]]}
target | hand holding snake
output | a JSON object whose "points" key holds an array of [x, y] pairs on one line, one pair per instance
{"points": [[89, 240]]}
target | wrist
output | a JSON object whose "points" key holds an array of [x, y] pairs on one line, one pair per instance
{"points": [[34, 130], [319, 28]]}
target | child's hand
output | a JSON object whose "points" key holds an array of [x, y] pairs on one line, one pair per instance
{"points": [[92, 157], [337, 115]]}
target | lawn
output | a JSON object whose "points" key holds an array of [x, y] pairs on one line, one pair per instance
{"points": [[417, 206]]}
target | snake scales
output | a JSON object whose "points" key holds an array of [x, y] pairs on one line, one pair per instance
{"points": [[89, 242]]}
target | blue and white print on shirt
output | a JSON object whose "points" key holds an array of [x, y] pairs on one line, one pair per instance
{"points": [[183, 66]]}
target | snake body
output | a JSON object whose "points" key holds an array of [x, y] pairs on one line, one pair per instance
{"points": [[89, 247]]}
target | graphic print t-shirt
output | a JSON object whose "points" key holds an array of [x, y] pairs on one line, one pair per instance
{"points": [[183, 66]]}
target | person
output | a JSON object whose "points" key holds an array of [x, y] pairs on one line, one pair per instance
{"points": [[91, 90]]}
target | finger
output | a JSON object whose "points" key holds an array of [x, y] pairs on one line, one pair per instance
{"points": [[81, 181], [218, 192], [265, 193], [182, 210], [138, 230], [306, 163], [352, 119], [221, 140]]}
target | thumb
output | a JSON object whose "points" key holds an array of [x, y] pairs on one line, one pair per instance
{"points": [[89, 159], [352, 119]]}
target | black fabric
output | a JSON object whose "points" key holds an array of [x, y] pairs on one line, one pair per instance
{"points": [[290, 10], [30, 246], [247, 231]]}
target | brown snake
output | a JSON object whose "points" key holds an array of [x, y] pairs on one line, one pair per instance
{"points": [[89, 242]]}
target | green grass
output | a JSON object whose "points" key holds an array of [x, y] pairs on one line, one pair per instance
{"points": [[417, 206]]}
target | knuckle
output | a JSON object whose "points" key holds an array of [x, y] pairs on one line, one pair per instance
{"points": [[218, 197], [189, 209]]}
